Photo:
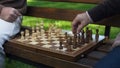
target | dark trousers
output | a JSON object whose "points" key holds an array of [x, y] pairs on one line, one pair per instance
{"points": [[112, 60]]}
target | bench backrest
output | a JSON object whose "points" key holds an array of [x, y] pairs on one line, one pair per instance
{"points": [[66, 14]]}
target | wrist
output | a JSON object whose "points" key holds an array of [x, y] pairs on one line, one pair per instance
{"points": [[89, 18]]}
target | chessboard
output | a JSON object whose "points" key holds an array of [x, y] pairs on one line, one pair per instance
{"points": [[58, 43]]}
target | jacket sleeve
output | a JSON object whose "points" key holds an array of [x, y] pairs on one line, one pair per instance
{"points": [[23, 9], [106, 9]]}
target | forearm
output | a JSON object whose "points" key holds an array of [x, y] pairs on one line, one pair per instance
{"points": [[106, 9]]}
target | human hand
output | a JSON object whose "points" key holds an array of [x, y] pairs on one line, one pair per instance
{"points": [[80, 21], [9, 14], [116, 41]]}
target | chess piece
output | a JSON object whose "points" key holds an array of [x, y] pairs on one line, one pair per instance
{"points": [[60, 47], [75, 41], [97, 35], [91, 35], [27, 34], [87, 31], [42, 28], [83, 38], [42, 31], [49, 37], [69, 43], [42, 23], [87, 35], [37, 24], [78, 39], [22, 35], [38, 31], [75, 36], [33, 30], [34, 37], [54, 28], [58, 34], [66, 35]]}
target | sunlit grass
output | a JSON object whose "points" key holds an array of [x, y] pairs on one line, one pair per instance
{"points": [[16, 64], [63, 5]]}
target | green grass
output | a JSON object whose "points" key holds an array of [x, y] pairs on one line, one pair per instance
{"points": [[63, 5], [16, 64], [30, 21]]}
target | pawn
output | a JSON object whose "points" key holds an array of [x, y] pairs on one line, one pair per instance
{"points": [[33, 30], [60, 47], [22, 35], [75, 41], [91, 35], [50, 38], [66, 35], [69, 43], [69, 48], [74, 44], [27, 34], [79, 39], [97, 35], [82, 37], [75, 36], [42, 23]]}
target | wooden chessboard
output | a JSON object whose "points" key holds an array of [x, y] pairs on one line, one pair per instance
{"points": [[51, 48]]}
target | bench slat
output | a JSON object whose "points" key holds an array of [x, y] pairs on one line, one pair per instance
{"points": [[67, 14], [78, 1], [52, 13]]}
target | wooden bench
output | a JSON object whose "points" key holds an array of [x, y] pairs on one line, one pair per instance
{"points": [[58, 14]]}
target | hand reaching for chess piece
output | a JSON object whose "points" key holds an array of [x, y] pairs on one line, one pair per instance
{"points": [[80, 21], [117, 41]]}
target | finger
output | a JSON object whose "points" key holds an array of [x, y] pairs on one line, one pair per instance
{"points": [[74, 26], [17, 13], [80, 27], [11, 19], [14, 16]]}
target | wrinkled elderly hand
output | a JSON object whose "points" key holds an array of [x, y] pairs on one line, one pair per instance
{"points": [[80, 21], [117, 41], [9, 14]]}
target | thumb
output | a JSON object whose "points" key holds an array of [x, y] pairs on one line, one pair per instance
{"points": [[81, 26], [17, 13]]}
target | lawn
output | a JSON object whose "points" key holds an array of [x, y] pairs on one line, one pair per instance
{"points": [[30, 21]]}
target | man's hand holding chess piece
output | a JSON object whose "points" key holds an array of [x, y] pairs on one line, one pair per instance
{"points": [[80, 21]]}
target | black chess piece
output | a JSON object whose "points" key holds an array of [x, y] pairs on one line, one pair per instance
{"points": [[60, 47]]}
